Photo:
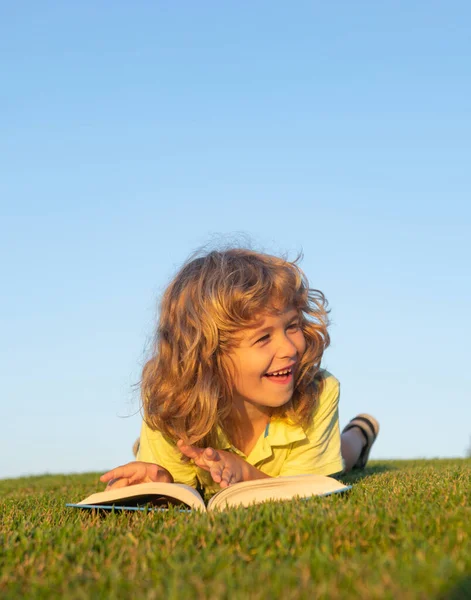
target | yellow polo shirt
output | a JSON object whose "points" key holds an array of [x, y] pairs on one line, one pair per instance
{"points": [[283, 448]]}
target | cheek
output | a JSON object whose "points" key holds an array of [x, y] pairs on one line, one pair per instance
{"points": [[301, 343], [230, 369], [238, 370], [247, 373]]}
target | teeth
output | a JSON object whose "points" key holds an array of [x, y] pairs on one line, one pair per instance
{"points": [[279, 373]]}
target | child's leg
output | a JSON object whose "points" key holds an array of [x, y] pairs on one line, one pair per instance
{"points": [[352, 443], [356, 441]]}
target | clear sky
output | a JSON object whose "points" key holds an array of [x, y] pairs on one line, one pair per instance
{"points": [[134, 132]]}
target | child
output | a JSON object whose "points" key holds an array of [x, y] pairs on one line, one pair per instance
{"points": [[234, 390]]}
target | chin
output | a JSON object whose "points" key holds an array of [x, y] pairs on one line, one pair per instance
{"points": [[280, 403]]}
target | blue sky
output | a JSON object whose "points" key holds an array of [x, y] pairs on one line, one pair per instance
{"points": [[133, 133]]}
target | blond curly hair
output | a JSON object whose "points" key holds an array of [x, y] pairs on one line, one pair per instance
{"points": [[187, 385]]}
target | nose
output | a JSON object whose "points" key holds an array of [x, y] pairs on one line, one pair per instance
{"points": [[287, 348]]}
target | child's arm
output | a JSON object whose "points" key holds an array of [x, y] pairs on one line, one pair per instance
{"points": [[136, 472], [225, 468]]}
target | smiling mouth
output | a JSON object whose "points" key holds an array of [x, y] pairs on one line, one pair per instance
{"points": [[281, 373]]}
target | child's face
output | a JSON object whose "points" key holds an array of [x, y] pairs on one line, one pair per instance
{"points": [[266, 359]]}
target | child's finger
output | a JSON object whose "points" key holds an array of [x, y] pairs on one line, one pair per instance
{"points": [[107, 476], [138, 475], [134, 471], [151, 472], [211, 454], [118, 483], [116, 474], [227, 477], [203, 457], [188, 450], [211, 460], [216, 471]]}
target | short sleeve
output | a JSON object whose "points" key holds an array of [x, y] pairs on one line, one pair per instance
{"points": [[155, 448], [319, 452]]}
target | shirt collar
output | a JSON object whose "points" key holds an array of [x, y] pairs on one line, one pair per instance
{"points": [[277, 433]]}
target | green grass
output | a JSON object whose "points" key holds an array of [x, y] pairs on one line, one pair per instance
{"points": [[404, 531]]}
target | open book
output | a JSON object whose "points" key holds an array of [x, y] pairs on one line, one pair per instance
{"points": [[161, 495]]}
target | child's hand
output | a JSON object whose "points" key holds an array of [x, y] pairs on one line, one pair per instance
{"points": [[135, 472], [225, 468]]}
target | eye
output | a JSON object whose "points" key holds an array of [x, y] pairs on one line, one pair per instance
{"points": [[263, 339], [295, 326]]}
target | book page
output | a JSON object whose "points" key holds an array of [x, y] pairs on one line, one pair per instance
{"points": [[275, 488], [147, 493]]}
